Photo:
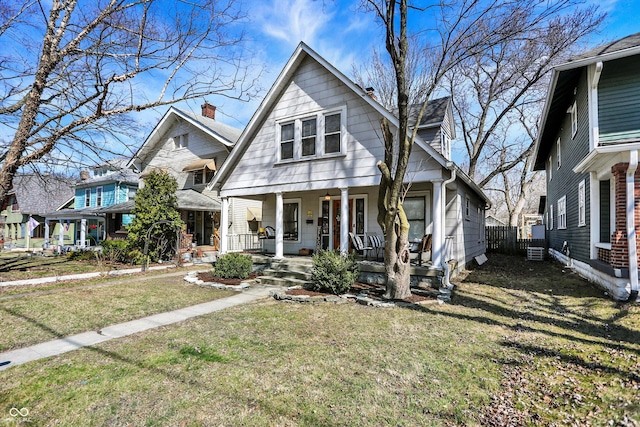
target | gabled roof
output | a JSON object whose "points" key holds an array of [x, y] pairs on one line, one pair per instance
{"points": [[302, 52], [39, 194], [225, 134], [563, 82], [434, 114], [123, 175]]}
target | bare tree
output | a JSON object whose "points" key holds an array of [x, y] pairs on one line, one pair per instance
{"points": [[459, 34], [71, 74]]}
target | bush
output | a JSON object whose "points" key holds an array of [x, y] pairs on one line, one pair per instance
{"points": [[332, 272], [233, 265], [115, 250], [135, 257], [81, 255]]}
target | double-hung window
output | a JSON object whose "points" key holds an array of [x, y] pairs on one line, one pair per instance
{"points": [[87, 197], [574, 119], [562, 212], [291, 219], [181, 141], [99, 196], [582, 217], [550, 217], [312, 136]]}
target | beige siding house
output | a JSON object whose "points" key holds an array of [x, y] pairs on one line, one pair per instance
{"points": [[192, 148], [309, 155]]}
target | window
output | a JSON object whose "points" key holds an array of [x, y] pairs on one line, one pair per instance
{"points": [[99, 196], [445, 145], [550, 168], [312, 136], [558, 153], [13, 203], [87, 197], [332, 134], [131, 193], [291, 220], [181, 141], [574, 119], [550, 217], [286, 141], [467, 208], [562, 213], [414, 208], [582, 217]]}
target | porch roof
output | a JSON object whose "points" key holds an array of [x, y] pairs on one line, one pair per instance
{"points": [[73, 214]]}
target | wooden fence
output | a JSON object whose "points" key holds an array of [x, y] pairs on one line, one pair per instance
{"points": [[504, 240]]}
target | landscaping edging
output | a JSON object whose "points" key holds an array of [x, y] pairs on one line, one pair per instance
{"points": [[363, 299], [192, 277]]}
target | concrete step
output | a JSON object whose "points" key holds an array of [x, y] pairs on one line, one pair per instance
{"points": [[284, 282], [284, 266], [287, 274]]}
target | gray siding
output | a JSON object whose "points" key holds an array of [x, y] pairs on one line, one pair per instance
{"points": [[619, 101], [565, 182]]}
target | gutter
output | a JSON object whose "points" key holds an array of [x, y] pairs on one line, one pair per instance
{"points": [[446, 283], [631, 228]]}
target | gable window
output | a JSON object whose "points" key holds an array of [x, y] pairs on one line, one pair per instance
{"points": [[558, 153], [332, 134], [291, 219], [574, 119], [286, 141], [312, 136], [581, 205], [87, 197], [445, 143], [562, 213], [99, 196], [309, 129], [181, 141]]}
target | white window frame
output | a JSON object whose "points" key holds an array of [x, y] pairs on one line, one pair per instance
{"points": [[559, 152], [181, 141], [87, 197], [467, 207], [99, 196], [551, 217], [582, 205], [445, 144], [574, 119], [319, 153], [299, 219], [562, 213], [550, 168]]}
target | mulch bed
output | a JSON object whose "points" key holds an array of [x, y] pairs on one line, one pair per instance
{"points": [[373, 291], [208, 276]]}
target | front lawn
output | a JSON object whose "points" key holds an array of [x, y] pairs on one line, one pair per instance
{"points": [[521, 344]]}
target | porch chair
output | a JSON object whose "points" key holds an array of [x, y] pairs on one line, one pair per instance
{"points": [[358, 246], [377, 243], [424, 249]]}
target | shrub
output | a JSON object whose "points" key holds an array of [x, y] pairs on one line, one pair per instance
{"points": [[332, 272], [233, 265], [114, 250], [135, 257], [81, 255]]}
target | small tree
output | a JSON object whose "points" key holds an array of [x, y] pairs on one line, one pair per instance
{"points": [[156, 201]]}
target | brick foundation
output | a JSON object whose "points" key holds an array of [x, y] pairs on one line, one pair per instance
{"points": [[619, 246]]}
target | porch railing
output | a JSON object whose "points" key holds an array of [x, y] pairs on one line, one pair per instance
{"points": [[243, 242]]}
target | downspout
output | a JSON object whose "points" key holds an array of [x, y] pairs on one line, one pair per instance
{"points": [[631, 227], [445, 265]]}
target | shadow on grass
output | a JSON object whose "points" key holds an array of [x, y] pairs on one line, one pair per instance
{"points": [[23, 263]]}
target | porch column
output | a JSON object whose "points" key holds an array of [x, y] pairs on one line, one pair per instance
{"points": [[46, 233], [438, 224], [224, 225], [83, 232], [279, 226], [345, 221], [60, 236]]}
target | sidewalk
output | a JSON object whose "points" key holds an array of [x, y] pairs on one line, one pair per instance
{"points": [[74, 342]]}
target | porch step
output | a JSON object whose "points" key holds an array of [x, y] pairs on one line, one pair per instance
{"points": [[284, 273], [294, 271]]}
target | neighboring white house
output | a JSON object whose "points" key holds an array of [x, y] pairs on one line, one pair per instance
{"points": [[310, 153], [191, 148]]}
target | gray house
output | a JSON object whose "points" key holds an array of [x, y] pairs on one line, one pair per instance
{"points": [[588, 144]]}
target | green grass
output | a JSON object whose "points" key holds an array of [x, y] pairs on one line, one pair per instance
{"points": [[521, 342], [43, 313]]}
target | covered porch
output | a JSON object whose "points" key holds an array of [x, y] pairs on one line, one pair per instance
{"points": [[78, 228]]}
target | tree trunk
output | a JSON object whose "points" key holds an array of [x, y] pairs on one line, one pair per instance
{"points": [[397, 259]]}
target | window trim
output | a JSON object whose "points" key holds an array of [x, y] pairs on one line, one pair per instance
{"points": [[99, 196], [559, 152], [298, 201], [467, 207], [550, 168], [574, 119], [319, 116], [582, 205], [87, 197], [551, 216], [562, 213], [181, 141]]}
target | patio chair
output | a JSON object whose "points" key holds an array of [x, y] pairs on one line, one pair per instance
{"points": [[424, 249], [377, 243], [358, 246], [267, 233]]}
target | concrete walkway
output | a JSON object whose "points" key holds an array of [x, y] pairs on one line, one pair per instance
{"points": [[74, 342]]}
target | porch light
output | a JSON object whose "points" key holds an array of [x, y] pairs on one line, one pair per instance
{"points": [[327, 196]]}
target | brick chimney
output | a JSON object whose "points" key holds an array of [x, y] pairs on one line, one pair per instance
{"points": [[208, 110]]}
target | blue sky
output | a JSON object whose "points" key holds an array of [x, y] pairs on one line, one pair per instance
{"points": [[345, 36]]}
